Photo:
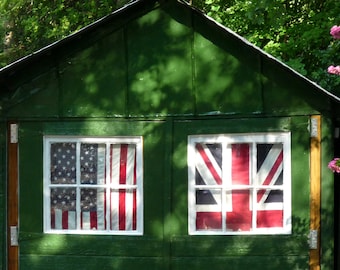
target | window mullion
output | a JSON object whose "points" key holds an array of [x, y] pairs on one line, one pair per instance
{"points": [[254, 179], [225, 176], [227, 172], [47, 185], [78, 208], [108, 187]]}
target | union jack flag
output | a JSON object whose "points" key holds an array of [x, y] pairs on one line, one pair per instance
{"points": [[229, 199], [90, 207]]}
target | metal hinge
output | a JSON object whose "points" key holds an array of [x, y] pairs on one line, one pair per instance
{"points": [[313, 239], [14, 236], [314, 128], [14, 133]]}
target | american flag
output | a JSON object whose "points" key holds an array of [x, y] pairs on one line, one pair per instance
{"points": [[64, 199], [92, 190], [123, 200], [238, 202]]}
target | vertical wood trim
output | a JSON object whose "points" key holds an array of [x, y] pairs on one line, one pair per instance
{"points": [[315, 190], [12, 198]]}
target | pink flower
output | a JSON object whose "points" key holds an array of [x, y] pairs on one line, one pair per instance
{"points": [[334, 165], [334, 70], [335, 32]]}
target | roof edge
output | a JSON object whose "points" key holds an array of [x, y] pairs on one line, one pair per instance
{"points": [[141, 6], [134, 4]]}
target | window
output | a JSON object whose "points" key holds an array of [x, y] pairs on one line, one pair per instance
{"points": [[239, 184], [93, 185]]}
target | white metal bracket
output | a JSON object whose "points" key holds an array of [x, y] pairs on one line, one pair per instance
{"points": [[14, 236], [314, 128], [14, 133], [313, 239]]}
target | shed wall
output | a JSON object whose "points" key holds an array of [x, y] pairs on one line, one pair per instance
{"points": [[165, 69], [177, 68]]}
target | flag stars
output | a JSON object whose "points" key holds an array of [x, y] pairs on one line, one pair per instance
{"points": [[63, 159]]}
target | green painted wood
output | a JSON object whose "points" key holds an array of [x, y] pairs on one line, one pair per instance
{"points": [[93, 81], [223, 80], [163, 75], [195, 67], [38, 262], [224, 249], [165, 187], [37, 96], [276, 92], [238, 262], [33, 243], [329, 197], [159, 66], [89, 245], [230, 246]]}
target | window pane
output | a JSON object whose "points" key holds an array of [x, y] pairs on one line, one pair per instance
{"points": [[208, 164], [269, 208], [123, 164], [208, 221], [63, 163], [123, 209], [208, 209], [92, 203], [239, 214], [63, 208], [93, 185], [239, 183], [92, 163], [240, 164], [270, 164]]}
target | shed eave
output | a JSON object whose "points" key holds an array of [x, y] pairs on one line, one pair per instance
{"points": [[135, 9]]}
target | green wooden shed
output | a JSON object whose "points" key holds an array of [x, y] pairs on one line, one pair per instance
{"points": [[156, 138]]}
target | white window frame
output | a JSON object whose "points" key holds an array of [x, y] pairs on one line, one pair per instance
{"points": [[252, 139], [108, 141]]}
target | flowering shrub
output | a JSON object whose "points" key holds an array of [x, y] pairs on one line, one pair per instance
{"points": [[334, 165], [335, 32], [334, 70]]}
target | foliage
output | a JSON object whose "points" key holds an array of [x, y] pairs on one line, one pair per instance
{"points": [[294, 31], [28, 25]]}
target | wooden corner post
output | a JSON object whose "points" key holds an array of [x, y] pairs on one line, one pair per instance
{"points": [[12, 197], [315, 191]]}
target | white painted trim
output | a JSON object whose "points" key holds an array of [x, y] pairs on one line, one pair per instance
{"points": [[252, 139], [135, 140]]}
